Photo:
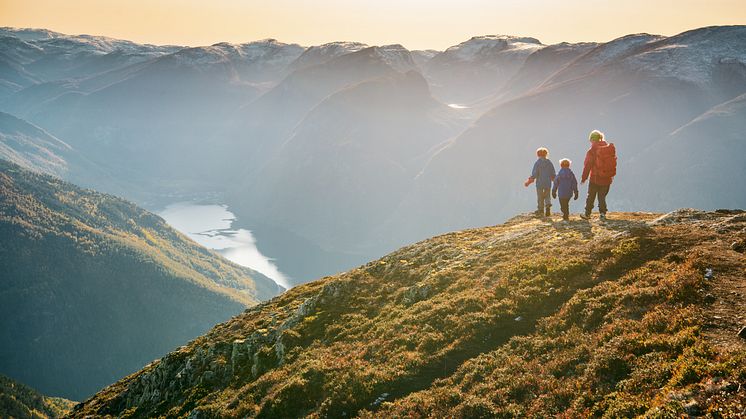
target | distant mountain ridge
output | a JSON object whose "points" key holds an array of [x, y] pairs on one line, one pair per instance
{"points": [[94, 287]]}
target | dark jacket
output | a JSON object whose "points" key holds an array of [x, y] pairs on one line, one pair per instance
{"points": [[590, 160], [543, 173], [565, 184]]}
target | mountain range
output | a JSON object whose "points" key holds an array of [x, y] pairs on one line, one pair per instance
{"points": [[337, 153]]}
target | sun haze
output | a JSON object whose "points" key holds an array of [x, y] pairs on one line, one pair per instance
{"points": [[417, 24]]}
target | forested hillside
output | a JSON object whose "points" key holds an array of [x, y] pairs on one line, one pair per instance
{"points": [[94, 287], [21, 402]]}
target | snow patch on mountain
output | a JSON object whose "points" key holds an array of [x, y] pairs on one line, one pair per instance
{"points": [[268, 51], [18, 50], [323, 53], [480, 47], [421, 57], [398, 57], [29, 34], [692, 56]]}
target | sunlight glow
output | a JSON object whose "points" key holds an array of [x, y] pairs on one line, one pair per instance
{"points": [[417, 24]]}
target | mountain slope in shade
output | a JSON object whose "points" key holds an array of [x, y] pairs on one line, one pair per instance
{"points": [[259, 128], [136, 126], [477, 68], [532, 318], [94, 287], [352, 158], [21, 402], [538, 67], [719, 136], [32, 147]]}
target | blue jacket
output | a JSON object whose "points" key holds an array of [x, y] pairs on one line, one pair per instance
{"points": [[543, 173], [565, 184]]}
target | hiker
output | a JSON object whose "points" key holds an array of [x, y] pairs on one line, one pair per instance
{"points": [[600, 165], [566, 186], [543, 174]]}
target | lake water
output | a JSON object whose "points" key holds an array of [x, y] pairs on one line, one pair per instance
{"points": [[211, 226]]}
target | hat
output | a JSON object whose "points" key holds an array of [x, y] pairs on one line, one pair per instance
{"points": [[596, 135]]}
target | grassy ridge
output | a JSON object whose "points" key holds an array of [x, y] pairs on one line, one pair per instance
{"points": [[528, 318]]}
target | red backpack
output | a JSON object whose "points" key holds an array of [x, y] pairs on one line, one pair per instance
{"points": [[605, 164]]}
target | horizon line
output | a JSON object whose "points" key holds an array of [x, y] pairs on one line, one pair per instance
{"points": [[195, 45]]}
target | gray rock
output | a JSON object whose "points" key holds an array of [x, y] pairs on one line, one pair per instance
{"points": [[417, 292], [279, 350], [692, 407]]}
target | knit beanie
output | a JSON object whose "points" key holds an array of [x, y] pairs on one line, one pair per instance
{"points": [[596, 135]]}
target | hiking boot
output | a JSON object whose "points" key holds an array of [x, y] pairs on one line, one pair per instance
{"points": [[603, 216], [548, 211], [565, 218], [585, 216], [539, 213]]}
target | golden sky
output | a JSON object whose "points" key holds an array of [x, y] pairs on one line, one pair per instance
{"points": [[416, 24]]}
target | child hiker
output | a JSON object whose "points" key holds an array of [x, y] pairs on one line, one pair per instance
{"points": [[543, 173], [566, 186]]}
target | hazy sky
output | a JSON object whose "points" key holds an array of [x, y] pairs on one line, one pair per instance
{"points": [[417, 24]]}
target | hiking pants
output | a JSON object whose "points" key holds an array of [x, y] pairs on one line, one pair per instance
{"points": [[596, 190], [565, 206], [543, 198]]}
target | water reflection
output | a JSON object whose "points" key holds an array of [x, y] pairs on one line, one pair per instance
{"points": [[210, 226]]}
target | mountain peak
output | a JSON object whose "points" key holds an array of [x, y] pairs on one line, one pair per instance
{"points": [[322, 53], [396, 56], [509, 38], [479, 46]]}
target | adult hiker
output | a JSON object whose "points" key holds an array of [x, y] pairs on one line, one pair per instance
{"points": [[600, 166], [543, 173]]}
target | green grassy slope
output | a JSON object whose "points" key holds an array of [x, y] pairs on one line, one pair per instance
{"points": [[531, 318], [19, 401], [94, 287]]}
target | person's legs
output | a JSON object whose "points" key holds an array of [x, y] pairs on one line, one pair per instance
{"points": [[548, 202], [565, 206], [543, 201], [590, 200], [602, 192], [539, 201]]}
